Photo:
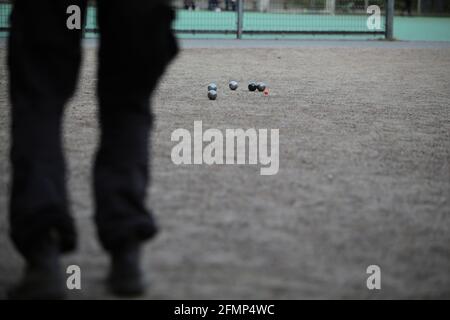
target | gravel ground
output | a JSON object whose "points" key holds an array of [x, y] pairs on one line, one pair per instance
{"points": [[364, 177]]}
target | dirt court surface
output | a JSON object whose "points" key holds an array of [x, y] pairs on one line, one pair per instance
{"points": [[364, 177]]}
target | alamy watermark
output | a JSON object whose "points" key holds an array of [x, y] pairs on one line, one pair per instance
{"points": [[73, 281], [232, 146], [374, 19], [374, 280], [74, 20]]}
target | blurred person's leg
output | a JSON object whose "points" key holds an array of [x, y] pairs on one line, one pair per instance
{"points": [[136, 46], [43, 58]]}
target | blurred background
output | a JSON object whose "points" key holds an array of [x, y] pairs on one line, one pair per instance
{"points": [[420, 20]]}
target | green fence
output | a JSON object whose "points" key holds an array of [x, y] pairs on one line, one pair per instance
{"points": [[262, 17]]}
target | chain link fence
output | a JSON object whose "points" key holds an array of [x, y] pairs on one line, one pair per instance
{"points": [[263, 17], [5, 9], [278, 17]]}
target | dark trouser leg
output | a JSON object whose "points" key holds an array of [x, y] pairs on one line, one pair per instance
{"points": [[136, 45], [44, 58]]}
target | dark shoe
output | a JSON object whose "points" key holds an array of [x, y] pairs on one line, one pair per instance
{"points": [[125, 278], [42, 279]]}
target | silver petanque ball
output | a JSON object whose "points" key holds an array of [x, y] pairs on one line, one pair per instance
{"points": [[233, 85], [212, 86]]}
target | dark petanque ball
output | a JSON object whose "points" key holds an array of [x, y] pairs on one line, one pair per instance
{"points": [[212, 94]]}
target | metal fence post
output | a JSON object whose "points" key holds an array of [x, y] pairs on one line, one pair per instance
{"points": [[390, 19], [240, 19]]}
